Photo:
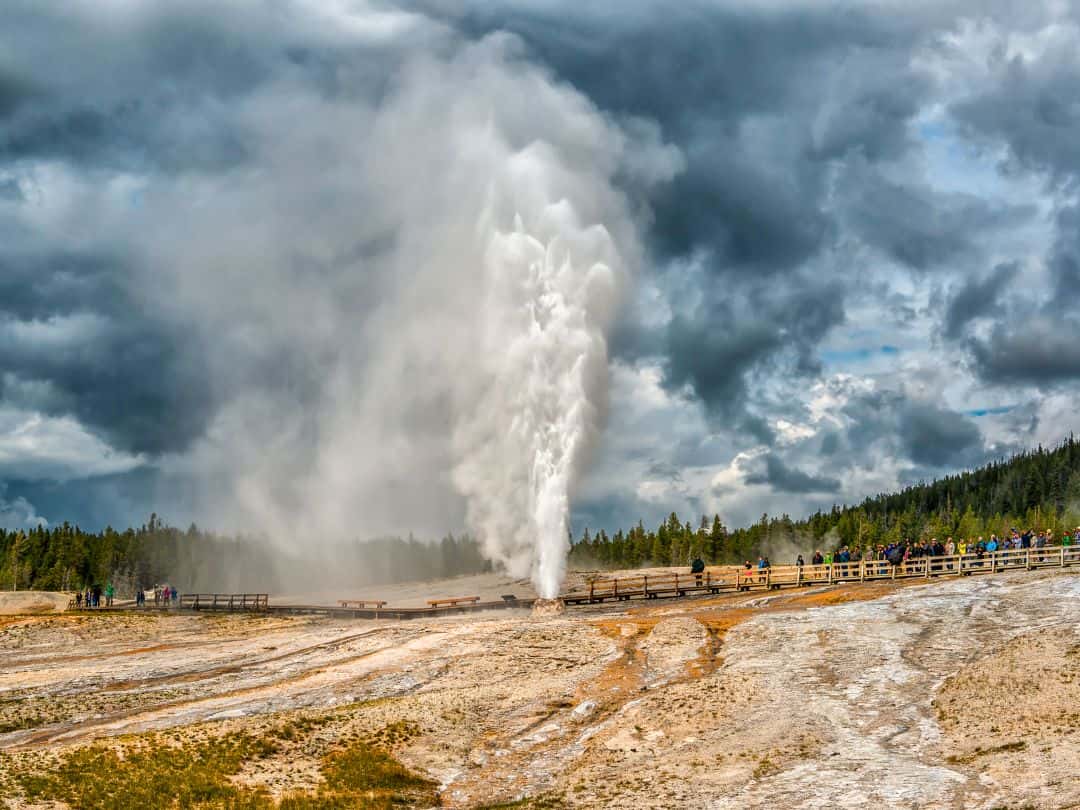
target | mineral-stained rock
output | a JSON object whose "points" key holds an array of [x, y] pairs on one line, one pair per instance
{"points": [[548, 607]]}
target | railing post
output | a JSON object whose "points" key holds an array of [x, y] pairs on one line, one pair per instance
{"points": [[645, 584], [830, 570], [862, 570], [768, 578], [615, 587], [1028, 560], [592, 585]]}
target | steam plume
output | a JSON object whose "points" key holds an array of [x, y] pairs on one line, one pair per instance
{"points": [[408, 303]]}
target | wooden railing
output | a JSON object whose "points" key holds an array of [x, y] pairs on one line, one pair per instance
{"points": [[225, 601], [727, 578]]}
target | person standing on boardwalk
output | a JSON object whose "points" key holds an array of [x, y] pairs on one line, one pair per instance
{"points": [[697, 568], [109, 592]]}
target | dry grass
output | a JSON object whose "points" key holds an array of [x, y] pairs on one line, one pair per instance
{"points": [[201, 774], [363, 776], [195, 775]]}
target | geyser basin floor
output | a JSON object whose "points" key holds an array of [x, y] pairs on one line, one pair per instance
{"points": [[548, 608], [953, 694]]}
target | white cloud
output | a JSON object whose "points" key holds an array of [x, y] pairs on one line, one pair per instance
{"points": [[35, 447]]}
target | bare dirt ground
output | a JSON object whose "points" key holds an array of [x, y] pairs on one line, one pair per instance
{"points": [[954, 694], [17, 603]]}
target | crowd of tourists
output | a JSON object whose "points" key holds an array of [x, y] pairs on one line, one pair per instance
{"points": [[906, 552], [903, 552], [93, 595], [97, 596]]}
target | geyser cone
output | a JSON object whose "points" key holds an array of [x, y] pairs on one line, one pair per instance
{"points": [[548, 607]]}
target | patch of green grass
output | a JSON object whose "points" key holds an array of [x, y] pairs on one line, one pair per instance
{"points": [[364, 768], [194, 775], [361, 775], [365, 777]]}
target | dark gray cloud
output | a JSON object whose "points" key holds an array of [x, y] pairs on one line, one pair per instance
{"points": [[783, 478], [727, 344], [713, 356], [162, 91], [74, 336], [976, 298], [919, 227], [15, 91], [937, 437], [1035, 338], [1064, 261], [1041, 351], [715, 78], [120, 500], [1032, 105]]}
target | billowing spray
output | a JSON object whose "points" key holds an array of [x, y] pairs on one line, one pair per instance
{"points": [[549, 296], [408, 303]]}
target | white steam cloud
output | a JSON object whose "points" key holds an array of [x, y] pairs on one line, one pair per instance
{"points": [[405, 297]]}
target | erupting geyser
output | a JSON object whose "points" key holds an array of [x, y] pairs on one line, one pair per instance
{"points": [[549, 296]]}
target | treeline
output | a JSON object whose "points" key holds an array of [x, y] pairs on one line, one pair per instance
{"points": [[65, 557], [1039, 489]]}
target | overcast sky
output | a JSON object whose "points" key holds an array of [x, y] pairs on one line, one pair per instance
{"points": [[861, 254]]}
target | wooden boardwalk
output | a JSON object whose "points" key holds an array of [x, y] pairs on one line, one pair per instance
{"points": [[260, 603], [723, 579], [673, 584]]}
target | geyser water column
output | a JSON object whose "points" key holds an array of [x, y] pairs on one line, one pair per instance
{"points": [[550, 288]]}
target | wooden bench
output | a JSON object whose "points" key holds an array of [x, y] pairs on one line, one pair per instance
{"points": [[453, 601], [362, 603]]}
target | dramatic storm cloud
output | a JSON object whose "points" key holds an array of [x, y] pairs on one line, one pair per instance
{"points": [[337, 269]]}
